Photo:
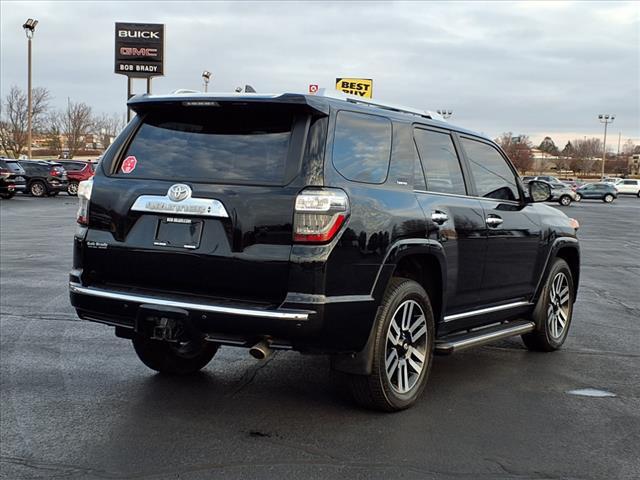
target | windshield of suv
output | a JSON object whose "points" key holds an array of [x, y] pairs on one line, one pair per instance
{"points": [[228, 144]]}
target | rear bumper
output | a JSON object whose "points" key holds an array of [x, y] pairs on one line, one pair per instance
{"points": [[327, 326]]}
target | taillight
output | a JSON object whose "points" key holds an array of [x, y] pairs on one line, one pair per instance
{"points": [[84, 196], [319, 214], [4, 171], [54, 172]]}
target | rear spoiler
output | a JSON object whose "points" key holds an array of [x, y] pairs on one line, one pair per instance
{"points": [[144, 102]]}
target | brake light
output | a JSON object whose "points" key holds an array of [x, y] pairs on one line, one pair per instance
{"points": [[84, 196], [319, 215], [54, 172]]}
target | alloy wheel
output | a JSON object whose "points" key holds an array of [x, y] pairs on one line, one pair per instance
{"points": [[558, 310], [37, 189], [72, 189], [608, 198], [406, 346]]}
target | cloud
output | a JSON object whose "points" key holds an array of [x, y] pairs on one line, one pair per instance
{"points": [[523, 67]]}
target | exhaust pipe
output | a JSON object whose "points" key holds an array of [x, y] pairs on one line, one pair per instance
{"points": [[261, 350]]}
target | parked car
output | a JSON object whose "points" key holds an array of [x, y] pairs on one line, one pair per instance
{"points": [[574, 184], [597, 191], [544, 178], [562, 193], [628, 186], [12, 178], [44, 177], [77, 171], [295, 222]]}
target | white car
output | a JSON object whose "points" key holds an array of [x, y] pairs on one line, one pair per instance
{"points": [[628, 186]]}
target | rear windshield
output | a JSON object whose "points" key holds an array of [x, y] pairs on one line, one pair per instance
{"points": [[227, 144]]}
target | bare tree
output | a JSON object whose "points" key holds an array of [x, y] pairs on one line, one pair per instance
{"points": [[518, 149], [76, 124], [585, 154], [53, 131], [14, 120], [107, 127], [629, 147]]}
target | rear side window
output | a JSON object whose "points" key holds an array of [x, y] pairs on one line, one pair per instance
{"points": [[440, 162], [228, 144], [362, 147], [492, 175], [630, 182]]}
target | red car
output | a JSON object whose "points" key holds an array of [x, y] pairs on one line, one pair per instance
{"points": [[77, 171]]}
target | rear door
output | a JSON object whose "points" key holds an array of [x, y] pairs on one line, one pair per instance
{"points": [[513, 228], [199, 200], [454, 220]]}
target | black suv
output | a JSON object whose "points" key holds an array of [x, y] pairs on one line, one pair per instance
{"points": [[11, 178], [44, 177], [375, 234]]}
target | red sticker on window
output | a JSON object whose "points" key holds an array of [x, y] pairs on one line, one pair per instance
{"points": [[129, 164]]}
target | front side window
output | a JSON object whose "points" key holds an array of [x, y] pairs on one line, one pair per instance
{"points": [[362, 147], [493, 176], [440, 162]]}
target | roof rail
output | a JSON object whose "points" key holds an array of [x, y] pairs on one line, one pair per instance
{"points": [[323, 92], [184, 90]]}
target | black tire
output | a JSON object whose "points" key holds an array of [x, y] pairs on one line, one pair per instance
{"points": [[174, 359], [377, 391], [608, 198], [565, 200], [72, 189], [545, 338], [37, 188], [578, 197]]}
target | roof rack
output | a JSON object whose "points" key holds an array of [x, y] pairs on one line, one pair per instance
{"points": [[323, 92]]}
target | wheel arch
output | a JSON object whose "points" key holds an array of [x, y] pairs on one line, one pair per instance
{"points": [[568, 249], [421, 260]]}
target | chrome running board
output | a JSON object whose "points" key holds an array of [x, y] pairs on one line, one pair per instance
{"points": [[473, 338]]}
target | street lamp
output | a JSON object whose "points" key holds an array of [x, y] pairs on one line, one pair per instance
{"points": [[606, 119], [206, 76], [29, 28], [445, 113]]}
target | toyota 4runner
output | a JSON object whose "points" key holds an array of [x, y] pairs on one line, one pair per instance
{"points": [[323, 224]]}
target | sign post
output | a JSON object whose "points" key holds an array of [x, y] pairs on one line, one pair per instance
{"points": [[360, 87], [139, 53]]}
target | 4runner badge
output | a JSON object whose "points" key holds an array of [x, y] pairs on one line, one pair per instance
{"points": [[179, 192]]}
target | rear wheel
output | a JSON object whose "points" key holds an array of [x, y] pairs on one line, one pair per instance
{"points": [[578, 197], [402, 351], [552, 314], [565, 200], [608, 198], [37, 188], [174, 358], [72, 188]]}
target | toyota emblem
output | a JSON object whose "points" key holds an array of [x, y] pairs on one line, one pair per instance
{"points": [[179, 192]]}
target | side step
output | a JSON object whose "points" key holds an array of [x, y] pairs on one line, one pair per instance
{"points": [[473, 338]]}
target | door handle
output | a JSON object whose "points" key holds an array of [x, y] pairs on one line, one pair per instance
{"points": [[439, 217], [493, 221]]}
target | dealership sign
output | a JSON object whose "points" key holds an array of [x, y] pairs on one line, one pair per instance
{"points": [[360, 87], [140, 49]]}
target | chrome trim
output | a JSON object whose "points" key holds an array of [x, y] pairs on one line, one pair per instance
{"points": [[205, 207], [297, 297], [499, 200], [278, 314], [482, 338], [482, 311]]}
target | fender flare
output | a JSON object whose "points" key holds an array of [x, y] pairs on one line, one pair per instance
{"points": [[556, 246], [360, 363]]}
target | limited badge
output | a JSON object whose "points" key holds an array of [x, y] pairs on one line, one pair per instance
{"points": [[129, 164]]}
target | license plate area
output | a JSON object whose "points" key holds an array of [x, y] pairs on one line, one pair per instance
{"points": [[178, 232]]}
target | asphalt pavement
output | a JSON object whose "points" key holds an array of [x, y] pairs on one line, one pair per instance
{"points": [[76, 403]]}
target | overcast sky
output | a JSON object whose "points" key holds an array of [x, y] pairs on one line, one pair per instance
{"points": [[541, 68]]}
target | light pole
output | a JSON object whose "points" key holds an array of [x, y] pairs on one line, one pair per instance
{"points": [[206, 76], [606, 119], [445, 113], [29, 28]]}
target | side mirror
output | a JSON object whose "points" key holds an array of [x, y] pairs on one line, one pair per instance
{"points": [[539, 191]]}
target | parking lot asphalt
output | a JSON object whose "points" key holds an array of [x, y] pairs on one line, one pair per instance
{"points": [[75, 401]]}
